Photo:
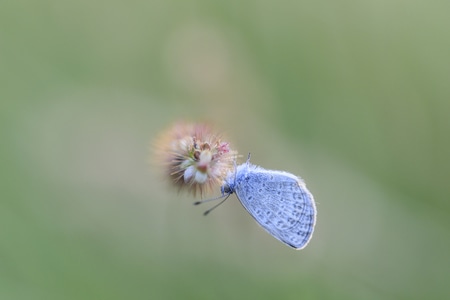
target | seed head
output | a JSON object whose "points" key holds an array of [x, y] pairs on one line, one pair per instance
{"points": [[194, 156]]}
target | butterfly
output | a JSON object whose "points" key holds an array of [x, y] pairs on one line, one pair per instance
{"points": [[278, 201]]}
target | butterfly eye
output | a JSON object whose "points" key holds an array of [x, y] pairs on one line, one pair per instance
{"points": [[226, 189]]}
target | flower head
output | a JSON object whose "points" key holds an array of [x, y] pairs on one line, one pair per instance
{"points": [[194, 157]]}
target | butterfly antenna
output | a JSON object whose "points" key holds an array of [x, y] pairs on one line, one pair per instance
{"points": [[208, 200], [212, 208], [220, 197]]}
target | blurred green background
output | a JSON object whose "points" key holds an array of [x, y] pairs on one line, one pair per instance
{"points": [[354, 96]]}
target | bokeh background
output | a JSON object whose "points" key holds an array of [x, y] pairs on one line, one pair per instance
{"points": [[353, 96]]}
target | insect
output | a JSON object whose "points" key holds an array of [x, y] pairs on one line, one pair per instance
{"points": [[278, 201]]}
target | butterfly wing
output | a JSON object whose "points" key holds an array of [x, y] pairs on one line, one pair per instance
{"points": [[280, 203]]}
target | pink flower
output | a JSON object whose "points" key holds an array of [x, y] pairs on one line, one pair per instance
{"points": [[194, 157]]}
